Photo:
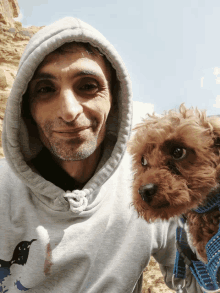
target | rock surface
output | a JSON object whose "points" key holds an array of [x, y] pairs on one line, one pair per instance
{"points": [[9, 9], [14, 38]]}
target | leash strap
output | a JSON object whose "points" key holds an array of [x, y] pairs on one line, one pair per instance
{"points": [[211, 204], [180, 267], [207, 275]]}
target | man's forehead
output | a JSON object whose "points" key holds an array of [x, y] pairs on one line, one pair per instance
{"points": [[73, 51], [76, 51], [70, 53]]}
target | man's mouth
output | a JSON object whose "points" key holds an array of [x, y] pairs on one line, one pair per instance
{"points": [[70, 132]]}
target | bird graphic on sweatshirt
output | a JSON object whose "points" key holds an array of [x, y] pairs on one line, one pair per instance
{"points": [[20, 257]]}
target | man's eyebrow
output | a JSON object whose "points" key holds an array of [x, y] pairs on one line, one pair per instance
{"points": [[87, 72], [43, 75], [46, 75]]}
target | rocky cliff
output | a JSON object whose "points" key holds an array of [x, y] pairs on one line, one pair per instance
{"points": [[13, 38], [9, 9]]}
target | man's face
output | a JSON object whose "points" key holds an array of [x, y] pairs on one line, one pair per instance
{"points": [[70, 101]]}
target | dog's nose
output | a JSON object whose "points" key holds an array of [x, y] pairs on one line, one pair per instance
{"points": [[147, 192]]}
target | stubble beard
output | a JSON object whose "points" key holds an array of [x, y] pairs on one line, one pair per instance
{"points": [[73, 149], [72, 152]]}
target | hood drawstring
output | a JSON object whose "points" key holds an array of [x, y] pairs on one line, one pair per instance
{"points": [[77, 200]]}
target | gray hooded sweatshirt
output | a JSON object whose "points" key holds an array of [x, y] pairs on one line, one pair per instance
{"points": [[87, 240]]}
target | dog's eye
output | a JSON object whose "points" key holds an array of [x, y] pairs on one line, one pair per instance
{"points": [[178, 153], [143, 161]]}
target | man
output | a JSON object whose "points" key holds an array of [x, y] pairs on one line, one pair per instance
{"points": [[67, 224]]}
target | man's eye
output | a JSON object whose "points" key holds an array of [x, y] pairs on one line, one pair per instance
{"points": [[45, 90], [90, 88]]}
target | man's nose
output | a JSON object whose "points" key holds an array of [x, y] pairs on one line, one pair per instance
{"points": [[70, 108]]}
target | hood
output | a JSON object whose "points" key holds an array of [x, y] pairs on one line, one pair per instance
{"points": [[20, 147]]}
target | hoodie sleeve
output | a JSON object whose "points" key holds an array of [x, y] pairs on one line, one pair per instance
{"points": [[166, 259]]}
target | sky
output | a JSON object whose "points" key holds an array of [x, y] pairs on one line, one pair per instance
{"points": [[171, 48]]}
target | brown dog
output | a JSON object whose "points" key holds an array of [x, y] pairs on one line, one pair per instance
{"points": [[176, 166]]}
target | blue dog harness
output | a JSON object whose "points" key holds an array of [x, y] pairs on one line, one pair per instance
{"points": [[207, 275]]}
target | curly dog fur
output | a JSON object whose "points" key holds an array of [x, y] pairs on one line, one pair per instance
{"points": [[176, 166]]}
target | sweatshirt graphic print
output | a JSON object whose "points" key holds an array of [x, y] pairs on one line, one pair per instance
{"points": [[20, 257]]}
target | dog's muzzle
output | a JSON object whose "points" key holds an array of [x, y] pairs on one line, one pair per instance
{"points": [[147, 192]]}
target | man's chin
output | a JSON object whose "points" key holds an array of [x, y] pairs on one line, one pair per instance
{"points": [[71, 157], [73, 154]]}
